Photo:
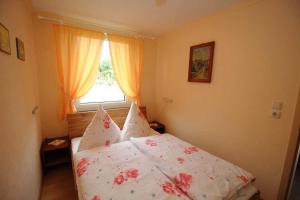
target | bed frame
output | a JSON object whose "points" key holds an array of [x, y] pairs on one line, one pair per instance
{"points": [[77, 123]]}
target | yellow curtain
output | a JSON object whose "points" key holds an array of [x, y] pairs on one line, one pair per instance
{"points": [[127, 59], [78, 54]]}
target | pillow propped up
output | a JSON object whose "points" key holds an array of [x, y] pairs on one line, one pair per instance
{"points": [[101, 131], [136, 124]]}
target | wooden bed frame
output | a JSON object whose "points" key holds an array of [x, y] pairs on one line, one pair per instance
{"points": [[78, 122]]}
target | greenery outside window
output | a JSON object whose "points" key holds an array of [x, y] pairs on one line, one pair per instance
{"points": [[105, 91]]}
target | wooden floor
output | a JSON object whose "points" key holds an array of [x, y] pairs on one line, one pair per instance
{"points": [[58, 184]]}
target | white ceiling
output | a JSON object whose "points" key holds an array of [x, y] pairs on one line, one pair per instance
{"points": [[145, 16]]}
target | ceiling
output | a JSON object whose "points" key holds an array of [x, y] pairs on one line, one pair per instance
{"points": [[151, 17]]}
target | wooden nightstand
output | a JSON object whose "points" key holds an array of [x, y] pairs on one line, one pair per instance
{"points": [[157, 126], [55, 155]]}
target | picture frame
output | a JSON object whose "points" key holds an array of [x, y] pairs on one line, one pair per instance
{"points": [[4, 40], [20, 49], [201, 62]]}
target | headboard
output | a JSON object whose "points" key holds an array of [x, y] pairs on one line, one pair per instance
{"points": [[77, 122]]}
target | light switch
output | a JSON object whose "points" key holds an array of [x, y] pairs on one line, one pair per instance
{"points": [[277, 105]]}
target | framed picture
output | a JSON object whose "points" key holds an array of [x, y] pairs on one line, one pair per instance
{"points": [[20, 49], [4, 39], [201, 62]]}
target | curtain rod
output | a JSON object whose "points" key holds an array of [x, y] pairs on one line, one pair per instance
{"points": [[92, 26]]}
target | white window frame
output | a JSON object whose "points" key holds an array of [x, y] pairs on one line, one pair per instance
{"points": [[82, 107]]}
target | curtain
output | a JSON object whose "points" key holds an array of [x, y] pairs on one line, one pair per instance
{"points": [[127, 60], [78, 54]]}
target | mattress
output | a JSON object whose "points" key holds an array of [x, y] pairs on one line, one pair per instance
{"points": [[242, 194]]}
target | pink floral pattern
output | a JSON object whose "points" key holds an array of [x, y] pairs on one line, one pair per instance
{"points": [[190, 150], [82, 166], [136, 124], [132, 173], [96, 197], [119, 179], [171, 189], [180, 160], [107, 143], [244, 179], [125, 175], [191, 168], [183, 181], [168, 187], [106, 121], [141, 115], [151, 143], [122, 171], [100, 129]]}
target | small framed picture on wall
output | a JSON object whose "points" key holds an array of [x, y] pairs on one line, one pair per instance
{"points": [[201, 62], [20, 49], [4, 39]]}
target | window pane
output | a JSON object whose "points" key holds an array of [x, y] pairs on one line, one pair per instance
{"points": [[105, 88]]}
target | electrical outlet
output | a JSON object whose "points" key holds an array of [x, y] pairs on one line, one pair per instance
{"points": [[276, 114]]}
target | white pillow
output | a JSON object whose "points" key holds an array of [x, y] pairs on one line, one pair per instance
{"points": [[136, 124], [101, 131]]}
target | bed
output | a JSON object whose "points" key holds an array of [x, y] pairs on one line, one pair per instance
{"points": [[77, 124]]}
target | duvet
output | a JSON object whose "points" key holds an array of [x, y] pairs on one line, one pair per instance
{"points": [[197, 173], [121, 172]]}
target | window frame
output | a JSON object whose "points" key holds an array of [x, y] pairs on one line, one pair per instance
{"points": [[92, 106], [106, 105]]}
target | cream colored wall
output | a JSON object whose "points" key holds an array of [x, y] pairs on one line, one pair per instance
{"points": [[149, 78], [20, 173], [256, 62], [51, 125], [48, 83]]}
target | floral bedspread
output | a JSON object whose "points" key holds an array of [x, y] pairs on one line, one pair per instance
{"points": [[121, 172], [196, 172]]}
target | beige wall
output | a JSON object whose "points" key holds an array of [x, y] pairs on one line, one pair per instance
{"points": [[51, 125], [20, 174], [48, 83], [256, 62]]}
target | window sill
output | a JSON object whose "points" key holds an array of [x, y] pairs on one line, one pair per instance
{"points": [[106, 105]]}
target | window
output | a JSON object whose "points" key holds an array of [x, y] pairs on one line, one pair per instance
{"points": [[105, 91]]}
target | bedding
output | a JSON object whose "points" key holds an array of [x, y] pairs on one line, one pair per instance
{"points": [[199, 174], [120, 171], [245, 193], [76, 141], [101, 131], [136, 124]]}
